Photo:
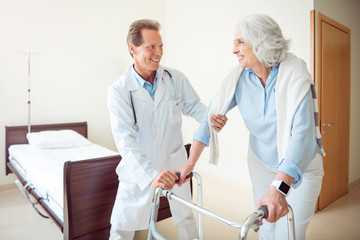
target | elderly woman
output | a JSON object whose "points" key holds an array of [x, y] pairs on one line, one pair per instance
{"points": [[275, 95]]}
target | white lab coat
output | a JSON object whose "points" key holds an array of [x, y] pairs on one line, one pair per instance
{"points": [[156, 146]]}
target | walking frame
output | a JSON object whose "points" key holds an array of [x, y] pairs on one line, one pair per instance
{"points": [[253, 221]]}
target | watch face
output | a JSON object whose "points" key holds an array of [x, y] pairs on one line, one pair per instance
{"points": [[284, 187]]}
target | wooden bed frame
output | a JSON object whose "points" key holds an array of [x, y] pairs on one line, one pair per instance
{"points": [[90, 187]]}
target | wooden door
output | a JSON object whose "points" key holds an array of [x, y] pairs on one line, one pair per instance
{"points": [[333, 75]]}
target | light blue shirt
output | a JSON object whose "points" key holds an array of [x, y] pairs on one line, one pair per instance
{"points": [[258, 109], [145, 84]]}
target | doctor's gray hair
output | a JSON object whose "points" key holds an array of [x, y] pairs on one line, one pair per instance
{"points": [[265, 36], [134, 35]]}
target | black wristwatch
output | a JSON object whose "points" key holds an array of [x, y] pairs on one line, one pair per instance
{"points": [[281, 186]]}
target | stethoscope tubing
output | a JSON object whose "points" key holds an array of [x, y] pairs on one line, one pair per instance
{"points": [[136, 127]]}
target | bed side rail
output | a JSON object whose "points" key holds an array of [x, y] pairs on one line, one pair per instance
{"points": [[34, 197]]}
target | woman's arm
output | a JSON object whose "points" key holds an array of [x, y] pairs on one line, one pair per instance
{"points": [[301, 150], [195, 152]]}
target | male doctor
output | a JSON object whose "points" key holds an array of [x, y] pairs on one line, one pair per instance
{"points": [[146, 106]]}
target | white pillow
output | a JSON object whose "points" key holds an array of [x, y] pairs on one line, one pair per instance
{"points": [[56, 139]]}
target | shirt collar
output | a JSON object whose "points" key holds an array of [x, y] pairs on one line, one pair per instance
{"points": [[272, 75], [274, 68], [140, 80]]}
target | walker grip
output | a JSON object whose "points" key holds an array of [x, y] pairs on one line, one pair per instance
{"points": [[188, 176], [265, 210]]}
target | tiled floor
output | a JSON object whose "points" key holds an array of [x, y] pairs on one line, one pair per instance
{"points": [[340, 220]]}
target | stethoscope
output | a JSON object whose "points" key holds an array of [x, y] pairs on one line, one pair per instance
{"points": [[135, 126]]}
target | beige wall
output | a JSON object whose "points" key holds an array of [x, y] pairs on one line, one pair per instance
{"points": [[82, 51], [347, 12]]}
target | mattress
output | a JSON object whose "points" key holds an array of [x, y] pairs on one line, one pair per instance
{"points": [[43, 168]]}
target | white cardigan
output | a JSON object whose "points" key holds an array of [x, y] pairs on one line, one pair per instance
{"points": [[294, 81]]}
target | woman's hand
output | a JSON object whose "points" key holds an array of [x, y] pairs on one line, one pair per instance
{"points": [[184, 171], [218, 121], [276, 203], [195, 152]]}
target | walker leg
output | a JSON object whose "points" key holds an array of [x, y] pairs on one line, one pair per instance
{"points": [[155, 209], [254, 221], [200, 203], [291, 224], [153, 218]]}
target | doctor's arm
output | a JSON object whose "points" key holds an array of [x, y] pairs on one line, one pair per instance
{"points": [[218, 121], [139, 168], [165, 179], [196, 109], [125, 136]]}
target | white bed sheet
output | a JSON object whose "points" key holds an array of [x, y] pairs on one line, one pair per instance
{"points": [[43, 168]]}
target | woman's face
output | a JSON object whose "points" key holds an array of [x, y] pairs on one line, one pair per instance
{"points": [[244, 51]]}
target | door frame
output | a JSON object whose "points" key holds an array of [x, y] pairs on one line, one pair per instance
{"points": [[316, 20]]}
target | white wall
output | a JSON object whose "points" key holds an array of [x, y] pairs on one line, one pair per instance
{"points": [[347, 13], [198, 41], [82, 46]]}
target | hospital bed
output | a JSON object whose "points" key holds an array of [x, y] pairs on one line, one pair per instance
{"points": [[79, 191]]}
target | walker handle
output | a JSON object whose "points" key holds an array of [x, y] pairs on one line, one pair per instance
{"points": [[188, 176], [265, 210]]}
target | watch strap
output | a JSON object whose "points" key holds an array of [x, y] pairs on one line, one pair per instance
{"points": [[281, 186]]}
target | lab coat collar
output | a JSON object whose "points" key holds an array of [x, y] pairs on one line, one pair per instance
{"points": [[133, 86], [131, 83]]}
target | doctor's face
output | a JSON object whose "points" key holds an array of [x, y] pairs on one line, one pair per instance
{"points": [[147, 56], [244, 51]]}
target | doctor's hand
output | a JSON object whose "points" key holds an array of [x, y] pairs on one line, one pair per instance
{"points": [[218, 121], [165, 180], [276, 203]]}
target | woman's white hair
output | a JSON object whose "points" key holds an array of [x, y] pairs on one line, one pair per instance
{"points": [[265, 36]]}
